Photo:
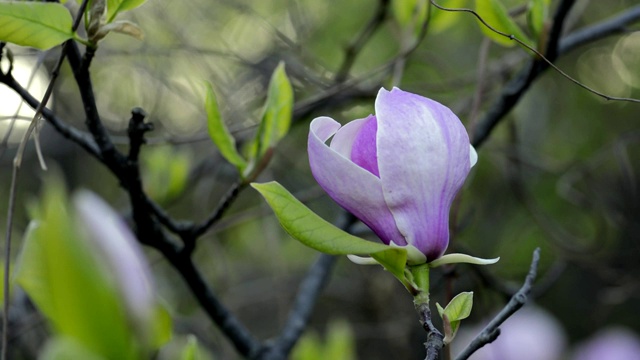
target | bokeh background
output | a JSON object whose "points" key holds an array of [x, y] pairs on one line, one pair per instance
{"points": [[560, 171]]}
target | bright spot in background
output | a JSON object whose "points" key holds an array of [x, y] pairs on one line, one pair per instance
{"points": [[626, 57], [612, 70], [11, 104]]}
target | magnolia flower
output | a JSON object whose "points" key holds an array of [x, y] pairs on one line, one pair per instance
{"points": [[121, 253], [398, 171]]}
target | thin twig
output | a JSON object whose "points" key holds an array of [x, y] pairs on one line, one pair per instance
{"points": [[492, 331], [521, 82], [353, 50], [551, 52]]}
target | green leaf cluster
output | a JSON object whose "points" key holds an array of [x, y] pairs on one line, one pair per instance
{"points": [[274, 125], [43, 25], [165, 172], [114, 7], [495, 14], [411, 15], [72, 286]]}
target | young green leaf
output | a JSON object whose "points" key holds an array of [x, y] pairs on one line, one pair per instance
{"points": [[165, 172], [340, 341], [35, 24], [460, 306], [458, 309], [162, 327], [441, 20], [313, 231], [117, 6], [220, 134], [537, 15], [496, 15], [70, 285], [277, 113], [411, 14], [190, 350]]}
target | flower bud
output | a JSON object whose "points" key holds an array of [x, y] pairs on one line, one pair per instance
{"points": [[398, 171]]}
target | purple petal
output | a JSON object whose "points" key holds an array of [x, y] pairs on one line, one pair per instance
{"points": [[121, 252], [352, 187], [364, 152], [424, 158]]}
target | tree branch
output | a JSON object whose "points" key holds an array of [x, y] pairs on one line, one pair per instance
{"points": [[61, 127], [147, 229], [614, 26], [315, 280], [516, 88], [435, 338], [492, 331], [352, 51]]}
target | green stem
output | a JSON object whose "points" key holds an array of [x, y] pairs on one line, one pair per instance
{"points": [[421, 280]]}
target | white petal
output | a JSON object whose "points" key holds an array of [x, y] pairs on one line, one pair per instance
{"points": [[462, 258]]}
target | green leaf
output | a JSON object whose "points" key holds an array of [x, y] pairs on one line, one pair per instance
{"points": [[220, 134], [35, 24], [162, 327], [71, 286], [190, 350], [459, 308], [441, 20], [411, 14], [340, 343], [537, 15], [165, 172], [310, 229], [308, 348], [496, 15], [117, 6], [277, 113]]}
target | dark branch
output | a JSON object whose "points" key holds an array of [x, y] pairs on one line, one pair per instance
{"points": [[317, 277], [63, 128], [352, 51], [614, 26], [491, 331], [308, 292], [137, 129], [148, 230], [434, 337], [235, 331], [514, 90]]}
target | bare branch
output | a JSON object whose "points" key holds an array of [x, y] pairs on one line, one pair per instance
{"points": [[492, 331]]}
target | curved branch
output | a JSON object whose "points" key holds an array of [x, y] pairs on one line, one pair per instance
{"points": [[492, 331]]}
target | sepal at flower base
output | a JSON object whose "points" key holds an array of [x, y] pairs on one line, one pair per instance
{"points": [[462, 258]]}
